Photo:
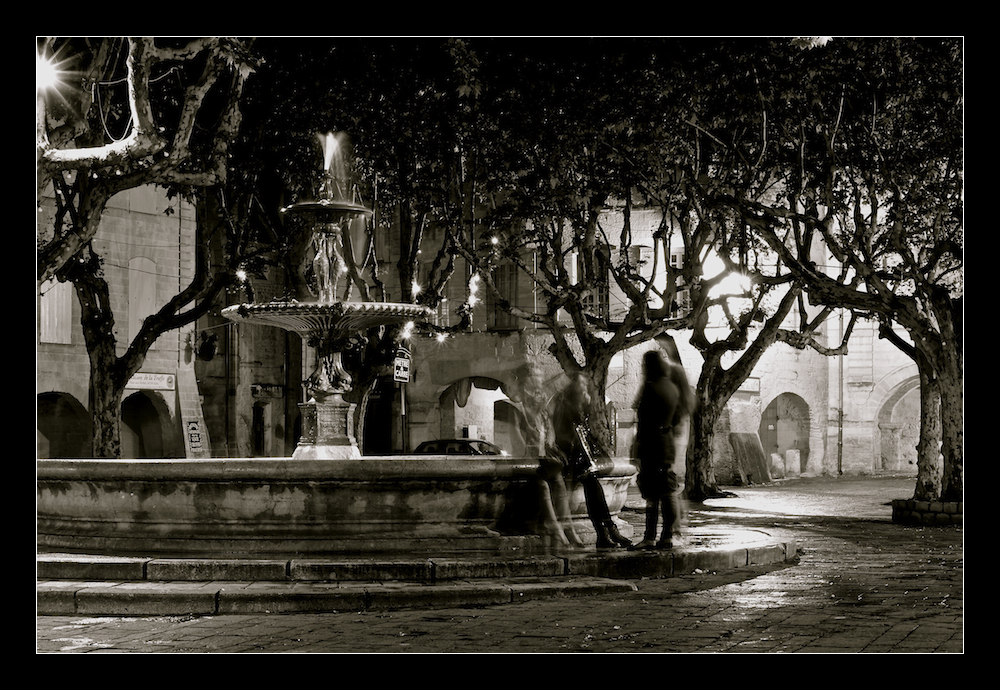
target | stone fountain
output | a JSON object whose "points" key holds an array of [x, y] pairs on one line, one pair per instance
{"points": [[326, 498], [326, 318]]}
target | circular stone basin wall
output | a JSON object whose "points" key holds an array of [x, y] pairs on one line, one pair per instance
{"points": [[248, 507]]}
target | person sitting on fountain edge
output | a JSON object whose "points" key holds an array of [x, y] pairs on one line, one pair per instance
{"points": [[575, 445]]}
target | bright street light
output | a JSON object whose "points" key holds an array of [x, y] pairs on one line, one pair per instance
{"points": [[45, 73]]}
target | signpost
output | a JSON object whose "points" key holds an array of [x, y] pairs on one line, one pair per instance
{"points": [[401, 368]]}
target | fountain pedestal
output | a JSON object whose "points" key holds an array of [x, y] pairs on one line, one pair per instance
{"points": [[327, 431], [327, 427]]}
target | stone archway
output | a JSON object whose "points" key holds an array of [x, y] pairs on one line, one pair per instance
{"points": [[62, 428], [469, 408], [784, 427], [147, 430], [899, 428], [509, 427]]}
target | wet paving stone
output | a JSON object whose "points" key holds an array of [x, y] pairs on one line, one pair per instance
{"points": [[861, 584]]}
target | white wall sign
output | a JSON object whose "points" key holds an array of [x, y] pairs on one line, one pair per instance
{"points": [[156, 382]]}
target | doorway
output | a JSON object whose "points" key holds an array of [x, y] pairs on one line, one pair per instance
{"points": [[784, 425], [141, 429], [62, 428]]}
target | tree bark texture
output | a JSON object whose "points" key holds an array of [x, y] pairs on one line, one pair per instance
{"points": [[700, 481], [107, 385], [929, 465]]}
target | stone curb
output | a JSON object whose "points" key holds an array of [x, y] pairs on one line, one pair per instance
{"points": [[916, 512], [68, 584], [67, 597]]}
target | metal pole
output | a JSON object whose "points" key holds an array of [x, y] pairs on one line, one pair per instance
{"points": [[840, 410]]}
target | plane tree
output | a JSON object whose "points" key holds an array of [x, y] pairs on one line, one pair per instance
{"points": [[129, 112], [744, 298], [865, 137], [587, 138], [554, 132]]}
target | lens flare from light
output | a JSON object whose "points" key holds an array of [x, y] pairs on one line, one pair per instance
{"points": [[46, 74]]}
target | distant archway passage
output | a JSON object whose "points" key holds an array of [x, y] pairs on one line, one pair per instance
{"points": [[146, 429], [480, 407], [62, 427], [380, 428], [784, 425], [899, 427]]}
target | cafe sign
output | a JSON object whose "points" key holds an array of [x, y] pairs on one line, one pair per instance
{"points": [[153, 382]]}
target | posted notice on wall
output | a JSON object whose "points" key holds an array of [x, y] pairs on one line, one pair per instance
{"points": [[155, 382]]}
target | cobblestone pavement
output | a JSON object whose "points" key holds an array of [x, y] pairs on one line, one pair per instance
{"points": [[861, 584]]}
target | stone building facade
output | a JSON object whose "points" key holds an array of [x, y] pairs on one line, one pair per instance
{"points": [[147, 257], [812, 414], [220, 390]]}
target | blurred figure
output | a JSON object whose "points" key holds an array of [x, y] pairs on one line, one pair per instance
{"points": [[682, 434], [576, 447], [553, 521], [662, 409]]}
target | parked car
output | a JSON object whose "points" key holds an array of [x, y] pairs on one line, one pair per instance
{"points": [[459, 446]]}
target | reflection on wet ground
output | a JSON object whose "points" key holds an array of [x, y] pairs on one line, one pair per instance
{"points": [[861, 584]]}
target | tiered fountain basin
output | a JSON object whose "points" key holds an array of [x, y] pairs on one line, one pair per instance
{"points": [[327, 418], [283, 506], [319, 318]]}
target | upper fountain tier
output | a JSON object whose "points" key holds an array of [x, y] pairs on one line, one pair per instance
{"points": [[326, 318], [329, 255]]}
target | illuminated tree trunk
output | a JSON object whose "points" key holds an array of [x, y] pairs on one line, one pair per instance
{"points": [[929, 465], [700, 482]]}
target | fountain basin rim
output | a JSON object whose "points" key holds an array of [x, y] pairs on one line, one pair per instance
{"points": [[323, 308], [327, 205], [368, 468]]}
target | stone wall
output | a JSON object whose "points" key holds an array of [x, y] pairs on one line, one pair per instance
{"points": [[915, 512]]}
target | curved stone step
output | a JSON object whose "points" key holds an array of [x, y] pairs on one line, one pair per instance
{"points": [[84, 584]]}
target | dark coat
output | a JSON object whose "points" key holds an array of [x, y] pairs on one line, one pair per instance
{"points": [[656, 416]]}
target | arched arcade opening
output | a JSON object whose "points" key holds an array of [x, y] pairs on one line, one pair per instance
{"points": [[784, 426], [899, 428], [62, 427], [148, 430]]}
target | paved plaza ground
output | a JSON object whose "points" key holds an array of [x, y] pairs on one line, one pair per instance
{"points": [[860, 584]]}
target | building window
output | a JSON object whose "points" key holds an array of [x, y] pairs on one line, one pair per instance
{"points": [[505, 280], [55, 310], [596, 304]]}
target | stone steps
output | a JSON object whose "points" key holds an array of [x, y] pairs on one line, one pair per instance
{"points": [[81, 584]]}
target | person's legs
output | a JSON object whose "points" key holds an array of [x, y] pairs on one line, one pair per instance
{"points": [[600, 516], [551, 527], [670, 517], [597, 509], [652, 518], [560, 502], [671, 512]]}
